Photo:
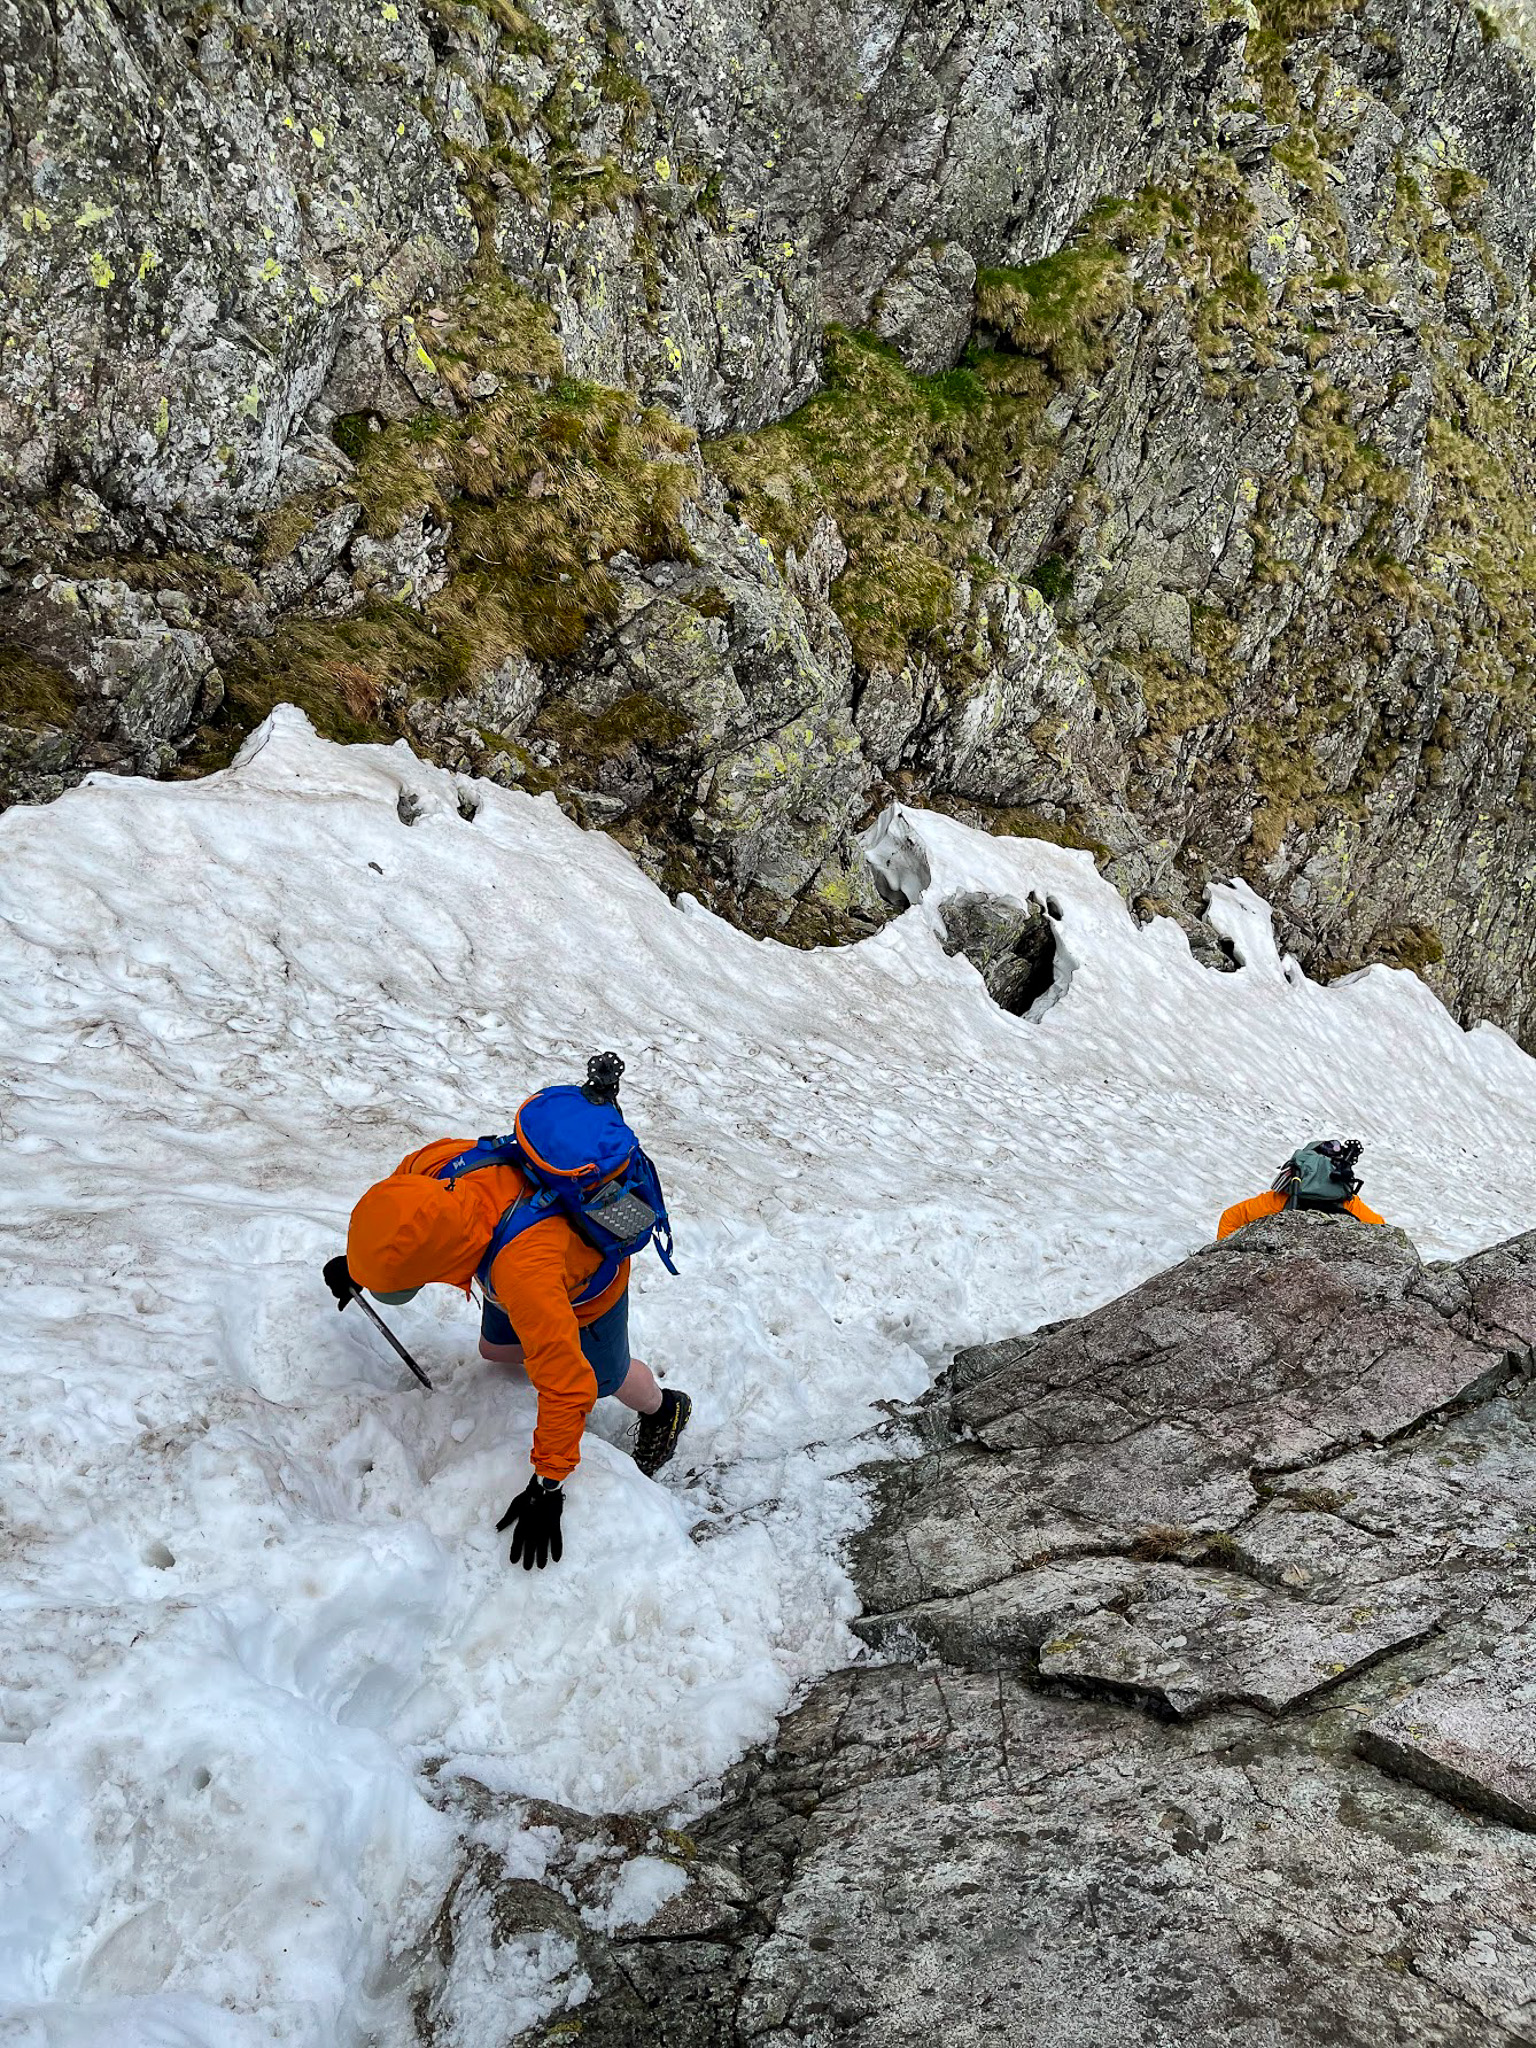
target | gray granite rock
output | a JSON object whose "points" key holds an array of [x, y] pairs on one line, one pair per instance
{"points": [[926, 309], [1298, 1335], [1188, 1638], [1239, 587], [132, 665], [941, 1855], [1257, 1772], [1470, 1734], [1013, 949]]}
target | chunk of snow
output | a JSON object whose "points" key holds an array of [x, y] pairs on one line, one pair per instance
{"points": [[644, 1885]]}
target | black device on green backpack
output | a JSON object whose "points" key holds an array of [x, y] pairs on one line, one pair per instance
{"points": [[1321, 1175]]}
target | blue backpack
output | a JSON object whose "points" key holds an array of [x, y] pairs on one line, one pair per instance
{"points": [[583, 1162]]}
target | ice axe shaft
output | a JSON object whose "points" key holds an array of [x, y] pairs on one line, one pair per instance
{"points": [[379, 1324]]}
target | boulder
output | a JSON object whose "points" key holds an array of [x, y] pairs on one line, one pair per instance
{"points": [[1199, 1711]]}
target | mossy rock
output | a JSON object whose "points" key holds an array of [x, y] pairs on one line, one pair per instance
{"points": [[537, 485], [1414, 945], [1017, 821], [34, 694], [1062, 308], [637, 719], [907, 465], [351, 677], [1052, 577]]}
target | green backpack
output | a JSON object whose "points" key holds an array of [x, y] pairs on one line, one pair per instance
{"points": [[1321, 1175]]}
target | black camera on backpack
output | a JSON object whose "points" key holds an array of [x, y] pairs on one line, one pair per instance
{"points": [[1344, 1153], [605, 1070]]}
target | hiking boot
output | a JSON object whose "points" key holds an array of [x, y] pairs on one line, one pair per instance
{"points": [[658, 1433]]}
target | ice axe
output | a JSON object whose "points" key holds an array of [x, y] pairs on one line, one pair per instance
{"points": [[380, 1325]]}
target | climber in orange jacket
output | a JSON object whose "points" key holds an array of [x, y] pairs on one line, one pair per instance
{"points": [[555, 1296], [1320, 1176]]}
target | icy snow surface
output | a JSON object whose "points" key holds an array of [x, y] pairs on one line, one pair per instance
{"points": [[252, 1579]]}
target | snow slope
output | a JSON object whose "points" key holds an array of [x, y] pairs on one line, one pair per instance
{"points": [[252, 1580]]}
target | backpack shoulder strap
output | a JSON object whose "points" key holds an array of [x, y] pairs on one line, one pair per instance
{"points": [[484, 1152], [521, 1215], [532, 1208]]}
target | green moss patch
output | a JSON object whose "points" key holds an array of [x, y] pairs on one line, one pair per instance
{"points": [[912, 469], [536, 484], [1052, 577], [1414, 945], [1178, 695], [1409, 945], [207, 583], [638, 720], [1061, 308], [34, 693], [1016, 821], [352, 677], [287, 524], [1483, 522]]}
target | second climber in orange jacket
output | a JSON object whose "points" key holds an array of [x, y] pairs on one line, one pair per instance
{"points": [[537, 1218], [1320, 1176]]}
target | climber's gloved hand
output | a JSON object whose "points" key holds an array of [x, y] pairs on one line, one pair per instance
{"points": [[534, 1519], [338, 1279]]}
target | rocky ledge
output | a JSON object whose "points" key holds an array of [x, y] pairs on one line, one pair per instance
{"points": [[1108, 421], [1199, 1706]]}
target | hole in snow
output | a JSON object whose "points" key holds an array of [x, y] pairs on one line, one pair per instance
{"points": [[1012, 949], [469, 805], [201, 1779], [159, 1555], [1214, 949], [408, 807]]}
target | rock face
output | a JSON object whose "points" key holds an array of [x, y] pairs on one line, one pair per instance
{"points": [[1202, 1710], [1013, 950], [1110, 421]]}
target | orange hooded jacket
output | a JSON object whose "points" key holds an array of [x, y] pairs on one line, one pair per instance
{"points": [[410, 1230], [1270, 1204]]}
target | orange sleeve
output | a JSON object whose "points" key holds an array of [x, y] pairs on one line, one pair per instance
{"points": [[529, 1280], [1241, 1213], [1356, 1207]]}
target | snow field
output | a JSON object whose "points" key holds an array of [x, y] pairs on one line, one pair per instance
{"points": [[253, 1581]]}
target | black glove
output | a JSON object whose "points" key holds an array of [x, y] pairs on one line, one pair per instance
{"points": [[335, 1275], [534, 1519]]}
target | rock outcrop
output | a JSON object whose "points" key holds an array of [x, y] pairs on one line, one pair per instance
{"points": [[1199, 1708], [1113, 422]]}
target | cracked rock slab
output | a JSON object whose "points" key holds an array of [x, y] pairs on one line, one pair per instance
{"points": [[1469, 1735], [1171, 1411], [1299, 1335], [1182, 1638], [1208, 1626], [981, 1864], [1194, 1640]]}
